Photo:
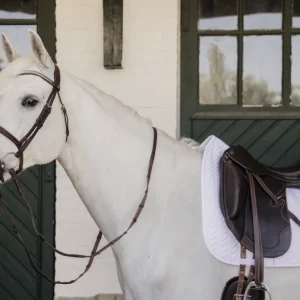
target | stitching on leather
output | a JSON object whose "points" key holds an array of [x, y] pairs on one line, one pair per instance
{"points": [[284, 203], [283, 186]]}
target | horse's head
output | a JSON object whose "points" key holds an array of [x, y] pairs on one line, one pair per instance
{"points": [[23, 141]]}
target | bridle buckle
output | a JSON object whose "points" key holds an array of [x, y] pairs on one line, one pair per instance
{"points": [[3, 165]]}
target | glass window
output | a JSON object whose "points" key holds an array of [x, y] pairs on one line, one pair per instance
{"points": [[18, 9], [295, 87], [218, 66], [296, 14], [218, 14], [263, 14], [18, 36], [262, 70], [245, 50]]}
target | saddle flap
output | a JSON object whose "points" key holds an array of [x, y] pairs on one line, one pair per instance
{"points": [[235, 204]]}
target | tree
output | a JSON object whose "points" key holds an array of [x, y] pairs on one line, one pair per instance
{"points": [[220, 85]]}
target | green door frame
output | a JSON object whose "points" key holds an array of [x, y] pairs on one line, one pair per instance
{"points": [[188, 66], [269, 133], [45, 22], [46, 25], [190, 107]]}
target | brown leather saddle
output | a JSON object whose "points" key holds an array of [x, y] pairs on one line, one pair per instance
{"points": [[253, 203]]}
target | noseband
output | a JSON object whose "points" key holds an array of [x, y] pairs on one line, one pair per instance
{"points": [[22, 145], [26, 140]]}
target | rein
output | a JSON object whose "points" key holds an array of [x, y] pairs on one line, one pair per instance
{"points": [[22, 145]]}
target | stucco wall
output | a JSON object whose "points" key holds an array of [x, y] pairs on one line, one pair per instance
{"points": [[148, 83]]}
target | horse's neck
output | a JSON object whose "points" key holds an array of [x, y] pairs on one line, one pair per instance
{"points": [[107, 159], [106, 156]]}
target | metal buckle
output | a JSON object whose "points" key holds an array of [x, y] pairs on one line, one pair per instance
{"points": [[252, 285], [226, 157], [2, 163]]}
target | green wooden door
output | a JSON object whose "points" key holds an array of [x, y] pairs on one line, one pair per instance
{"points": [[240, 75], [17, 278]]}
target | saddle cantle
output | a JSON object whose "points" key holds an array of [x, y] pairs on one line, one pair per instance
{"points": [[253, 203]]}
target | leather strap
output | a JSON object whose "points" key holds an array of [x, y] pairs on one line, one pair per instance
{"points": [[257, 271], [23, 144], [258, 248], [26, 140], [275, 199], [241, 279], [94, 251]]}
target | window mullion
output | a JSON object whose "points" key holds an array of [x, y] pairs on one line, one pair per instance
{"points": [[18, 21], [286, 52], [240, 50]]}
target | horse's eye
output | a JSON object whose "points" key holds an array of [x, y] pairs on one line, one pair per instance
{"points": [[29, 101]]}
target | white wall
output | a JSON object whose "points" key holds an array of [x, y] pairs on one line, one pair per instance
{"points": [[148, 82]]}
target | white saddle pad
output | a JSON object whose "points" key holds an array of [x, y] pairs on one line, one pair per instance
{"points": [[218, 238]]}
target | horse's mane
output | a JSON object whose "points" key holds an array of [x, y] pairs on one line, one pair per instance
{"points": [[110, 102], [190, 143]]}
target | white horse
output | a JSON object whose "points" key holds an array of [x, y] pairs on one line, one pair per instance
{"points": [[106, 157]]}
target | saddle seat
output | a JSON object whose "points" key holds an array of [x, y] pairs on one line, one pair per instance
{"points": [[290, 175]]}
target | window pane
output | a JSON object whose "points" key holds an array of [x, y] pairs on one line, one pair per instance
{"points": [[218, 69], [18, 9], [295, 89], [262, 70], [296, 14], [218, 14], [263, 14], [18, 36]]}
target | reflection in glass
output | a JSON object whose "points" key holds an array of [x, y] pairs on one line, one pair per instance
{"points": [[218, 14], [218, 70], [18, 36], [263, 14], [18, 9], [262, 71], [295, 88], [296, 14]]}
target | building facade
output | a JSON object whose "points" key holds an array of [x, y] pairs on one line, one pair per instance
{"points": [[194, 67]]}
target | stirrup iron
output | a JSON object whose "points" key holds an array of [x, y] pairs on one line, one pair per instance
{"points": [[262, 287]]}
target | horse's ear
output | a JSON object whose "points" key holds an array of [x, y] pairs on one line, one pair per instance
{"points": [[10, 53], [39, 51]]}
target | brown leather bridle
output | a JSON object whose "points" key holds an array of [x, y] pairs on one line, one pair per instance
{"points": [[22, 145], [26, 140]]}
